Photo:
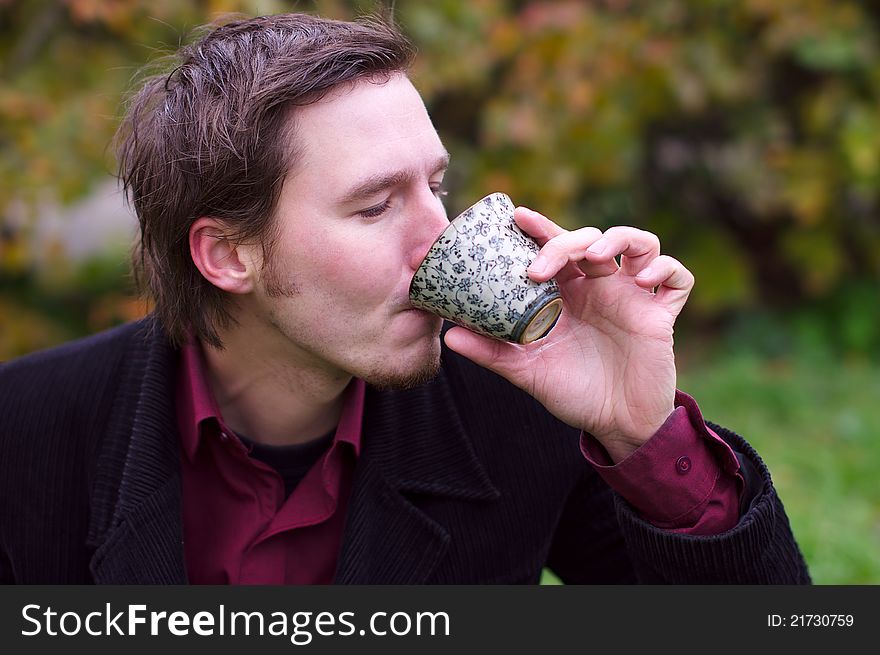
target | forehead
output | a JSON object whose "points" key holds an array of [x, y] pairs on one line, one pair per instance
{"points": [[362, 125]]}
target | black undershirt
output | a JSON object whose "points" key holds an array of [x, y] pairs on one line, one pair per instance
{"points": [[292, 462]]}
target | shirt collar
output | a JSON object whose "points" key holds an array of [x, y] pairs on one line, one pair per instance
{"points": [[195, 400], [197, 405], [350, 421]]}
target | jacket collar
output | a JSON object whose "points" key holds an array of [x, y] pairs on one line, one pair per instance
{"points": [[136, 525], [414, 443]]}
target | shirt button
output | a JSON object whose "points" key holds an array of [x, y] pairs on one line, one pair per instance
{"points": [[224, 436], [683, 464]]}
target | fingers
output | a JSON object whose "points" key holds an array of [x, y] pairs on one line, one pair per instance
{"points": [[637, 248], [672, 280], [595, 253], [536, 225], [569, 248], [560, 247], [640, 258]]}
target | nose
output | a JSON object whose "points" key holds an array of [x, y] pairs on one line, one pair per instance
{"points": [[429, 223]]}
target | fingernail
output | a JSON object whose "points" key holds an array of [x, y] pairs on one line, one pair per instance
{"points": [[645, 273], [538, 266], [599, 247]]}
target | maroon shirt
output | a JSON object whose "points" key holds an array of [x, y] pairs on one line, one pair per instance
{"points": [[239, 528]]}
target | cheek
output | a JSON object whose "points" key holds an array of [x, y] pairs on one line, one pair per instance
{"points": [[365, 271]]}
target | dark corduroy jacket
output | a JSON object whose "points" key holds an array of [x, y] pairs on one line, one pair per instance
{"points": [[463, 480]]}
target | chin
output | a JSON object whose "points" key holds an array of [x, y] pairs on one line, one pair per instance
{"points": [[419, 371]]}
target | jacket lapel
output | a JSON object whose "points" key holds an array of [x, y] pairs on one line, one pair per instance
{"points": [[413, 443], [136, 524]]}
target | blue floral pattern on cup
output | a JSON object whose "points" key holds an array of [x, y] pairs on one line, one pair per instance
{"points": [[475, 275]]}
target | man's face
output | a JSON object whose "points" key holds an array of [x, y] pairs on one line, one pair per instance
{"points": [[356, 215]]}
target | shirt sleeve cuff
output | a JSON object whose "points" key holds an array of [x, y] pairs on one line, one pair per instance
{"points": [[685, 478]]}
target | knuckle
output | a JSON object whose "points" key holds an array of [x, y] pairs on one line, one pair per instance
{"points": [[553, 247], [650, 239], [590, 232], [582, 235], [687, 278]]}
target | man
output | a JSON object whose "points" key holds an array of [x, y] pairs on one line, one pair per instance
{"points": [[286, 416]]}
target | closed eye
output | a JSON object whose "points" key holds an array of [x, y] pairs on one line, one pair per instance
{"points": [[377, 210]]}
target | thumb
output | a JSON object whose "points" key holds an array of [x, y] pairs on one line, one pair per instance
{"points": [[493, 354]]}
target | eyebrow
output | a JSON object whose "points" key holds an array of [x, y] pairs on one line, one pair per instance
{"points": [[376, 183]]}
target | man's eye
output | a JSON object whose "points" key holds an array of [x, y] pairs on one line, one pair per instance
{"points": [[440, 191], [378, 210]]}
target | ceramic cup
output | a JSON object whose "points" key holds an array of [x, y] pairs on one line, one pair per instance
{"points": [[475, 275]]}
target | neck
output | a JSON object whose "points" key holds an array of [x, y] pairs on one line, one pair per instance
{"points": [[273, 397]]}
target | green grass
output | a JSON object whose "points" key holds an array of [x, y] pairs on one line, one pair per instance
{"points": [[816, 424]]}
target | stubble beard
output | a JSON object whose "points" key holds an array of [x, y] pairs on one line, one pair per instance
{"points": [[424, 369], [274, 283], [387, 381]]}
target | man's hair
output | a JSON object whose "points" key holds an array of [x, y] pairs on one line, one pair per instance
{"points": [[215, 137]]}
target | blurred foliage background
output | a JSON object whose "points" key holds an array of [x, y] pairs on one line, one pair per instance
{"points": [[745, 133]]}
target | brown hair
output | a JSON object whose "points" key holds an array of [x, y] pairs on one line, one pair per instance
{"points": [[213, 138]]}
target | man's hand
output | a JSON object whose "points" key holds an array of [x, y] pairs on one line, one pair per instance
{"points": [[608, 366]]}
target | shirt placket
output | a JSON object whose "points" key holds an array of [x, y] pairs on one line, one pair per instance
{"points": [[261, 560]]}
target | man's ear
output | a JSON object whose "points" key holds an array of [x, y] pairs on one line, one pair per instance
{"points": [[224, 263]]}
